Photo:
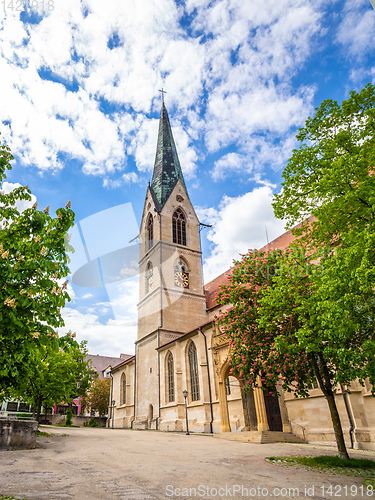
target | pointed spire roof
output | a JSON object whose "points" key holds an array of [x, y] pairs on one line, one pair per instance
{"points": [[167, 168]]}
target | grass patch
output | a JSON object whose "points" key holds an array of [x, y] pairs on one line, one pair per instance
{"points": [[48, 434], [333, 461], [369, 482], [63, 425], [9, 498], [326, 463]]}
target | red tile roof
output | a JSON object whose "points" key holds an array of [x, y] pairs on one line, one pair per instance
{"points": [[211, 288]]}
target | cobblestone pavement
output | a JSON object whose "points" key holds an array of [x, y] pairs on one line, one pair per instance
{"points": [[119, 464]]}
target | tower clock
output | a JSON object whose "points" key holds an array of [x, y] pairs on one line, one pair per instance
{"points": [[181, 279]]}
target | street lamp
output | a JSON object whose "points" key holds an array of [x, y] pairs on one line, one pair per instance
{"points": [[185, 393], [113, 411]]}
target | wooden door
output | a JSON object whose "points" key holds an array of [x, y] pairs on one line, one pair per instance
{"points": [[273, 410]]}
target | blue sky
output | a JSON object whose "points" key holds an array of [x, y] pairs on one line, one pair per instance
{"points": [[79, 106]]}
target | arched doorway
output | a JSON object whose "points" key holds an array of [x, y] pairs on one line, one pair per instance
{"points": [[262, 411], [271, 402], [248, 410]]}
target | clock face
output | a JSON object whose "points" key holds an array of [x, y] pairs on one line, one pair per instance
{"points": [[181, 279]]}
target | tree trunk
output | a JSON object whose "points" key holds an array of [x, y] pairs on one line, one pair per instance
{"points": [[337, 426], [38, 408], [326, 387]]}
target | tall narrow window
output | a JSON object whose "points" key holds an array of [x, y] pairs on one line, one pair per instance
{"points": [[179, 227], [227, 386], [170, 378], [150, 231], [193, 366], [123, 389], [149, 277]]}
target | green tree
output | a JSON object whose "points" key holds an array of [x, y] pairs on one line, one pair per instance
{"points": [[277, 332], [331, 177], [97, 399], [56, 374], [33, 262], [291, 310], [317, 307], [81, 373]]}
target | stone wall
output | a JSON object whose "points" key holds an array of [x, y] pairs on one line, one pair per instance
{"points": [[17, 434], [79, 420]]}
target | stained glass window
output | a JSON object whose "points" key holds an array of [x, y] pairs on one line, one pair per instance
{"points": [[179, 227], [193, 366], [150, 230], [170, 378]]}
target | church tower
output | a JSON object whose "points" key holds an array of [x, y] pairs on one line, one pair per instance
{"points": [[171, 296]]}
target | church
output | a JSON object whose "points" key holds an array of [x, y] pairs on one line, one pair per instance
{"points": [[181, 356]]}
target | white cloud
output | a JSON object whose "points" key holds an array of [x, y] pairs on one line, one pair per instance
{"points": [[258, 153], [186, 152], [254, 53], [243, 54], [239, 224], [227, 165], [127, 178], [356, 31], [109, 339], [260, 110], [143, 145], [114, 335]]}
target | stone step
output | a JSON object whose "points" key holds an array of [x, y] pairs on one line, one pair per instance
{"points": [[260, 437]]}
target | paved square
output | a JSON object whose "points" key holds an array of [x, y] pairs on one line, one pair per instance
{"points": [[120, 464]]}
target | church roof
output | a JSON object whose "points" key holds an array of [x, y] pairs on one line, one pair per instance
{"points": [[214, 286], [167, 168], [100, 363]]}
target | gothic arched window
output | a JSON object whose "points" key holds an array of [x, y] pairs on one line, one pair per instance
{"points": [[179, 227], [193, 368], [170, 378], [123, 389], [150, 232]]}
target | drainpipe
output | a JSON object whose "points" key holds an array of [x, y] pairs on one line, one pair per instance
{"points": [[111, 398], [157, 418], [161, 274], [209, 379], [135, 388], [351, 429], [161, 313]]}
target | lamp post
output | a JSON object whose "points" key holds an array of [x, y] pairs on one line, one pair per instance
{"points": [[185, 393], [113, 411]]}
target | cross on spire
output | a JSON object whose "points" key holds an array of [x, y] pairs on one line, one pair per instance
{"points": [[162, 93]]}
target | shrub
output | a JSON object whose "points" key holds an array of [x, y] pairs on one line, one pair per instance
{"points": [[68, 419]]}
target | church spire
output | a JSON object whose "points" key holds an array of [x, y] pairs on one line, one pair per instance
{"points": [[167, 169]]}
